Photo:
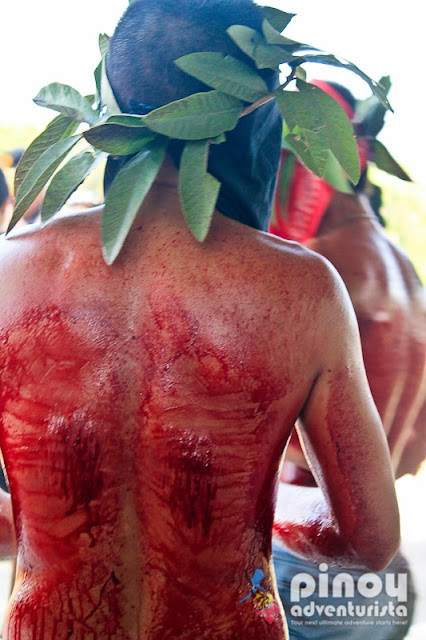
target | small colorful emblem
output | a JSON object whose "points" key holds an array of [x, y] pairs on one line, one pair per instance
{"points": [[266, 607]]}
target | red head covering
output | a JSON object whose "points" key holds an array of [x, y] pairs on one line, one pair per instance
{"points": [[301, 200], [301, 197]]}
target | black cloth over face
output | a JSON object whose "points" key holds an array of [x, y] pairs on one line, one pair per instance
{"points": [[246, 164]]}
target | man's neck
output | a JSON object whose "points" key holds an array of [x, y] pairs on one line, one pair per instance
{"points": [[343, 209], [168, 175]]}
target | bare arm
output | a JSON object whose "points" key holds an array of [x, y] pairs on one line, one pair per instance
{"points": [[352, 518], [414, 453], [7, 531]]}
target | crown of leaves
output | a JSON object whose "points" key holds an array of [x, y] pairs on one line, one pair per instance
{"points": [[316, 129], [369, 120]]}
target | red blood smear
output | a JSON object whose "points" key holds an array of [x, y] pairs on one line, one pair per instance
{"points": [[143, 475]]}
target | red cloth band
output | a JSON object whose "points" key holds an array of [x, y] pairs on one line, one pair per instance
{"points": [[298, 213], [302, 198]]}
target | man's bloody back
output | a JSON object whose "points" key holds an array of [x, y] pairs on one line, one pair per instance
{"points": [[146, 407], [145, 412]]}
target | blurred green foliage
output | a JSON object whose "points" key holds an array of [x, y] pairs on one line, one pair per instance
{"points": [[404, 209], [13, 137]]}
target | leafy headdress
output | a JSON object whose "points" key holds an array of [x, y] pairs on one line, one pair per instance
{"points": [[302, 197], [316, 129]]}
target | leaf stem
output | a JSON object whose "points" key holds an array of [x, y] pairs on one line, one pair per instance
{"points": [[269, 97]]}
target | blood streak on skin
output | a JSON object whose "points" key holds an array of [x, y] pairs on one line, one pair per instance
{"points": [[192, 458], [52, 449], [193, 487], [201, 477], [311, 537]]}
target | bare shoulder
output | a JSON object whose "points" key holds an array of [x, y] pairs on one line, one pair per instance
{"points": [[44, 238], [366, 261], [32, 260], [354, 254], [64, 233], [301, 287], [312, 274]]}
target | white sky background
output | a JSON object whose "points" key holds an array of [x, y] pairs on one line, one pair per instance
{"points": [[43, 41]]}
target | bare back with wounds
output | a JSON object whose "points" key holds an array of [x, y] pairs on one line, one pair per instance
{"points": [[145, 410]]}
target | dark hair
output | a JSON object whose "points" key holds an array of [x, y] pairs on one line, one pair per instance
{"points": [[362, 183], [376, 202], [4, 189], [152, 34]]}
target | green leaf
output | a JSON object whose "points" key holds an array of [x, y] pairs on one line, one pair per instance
{"points": [[65, 182], [317, 123], [332, 61], [384, 161], [39, 174], [198, 189], [285, 179], [245, 38], [225, 73], [98, 80], [117, 139], [90, 99], [307, 147], [127, 120], [300, 74], [107, 98], [335, 175], [199, 116], [269, 56], [272, 36], [370, 113], [61, 127], [103, 41], [126, 196], [66, 100], [385, 83], [103, 48], [278, 19], [218, 139], [266, 56]]}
